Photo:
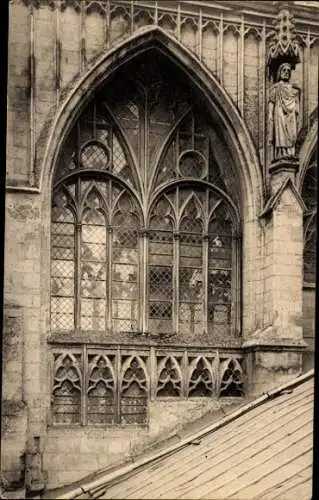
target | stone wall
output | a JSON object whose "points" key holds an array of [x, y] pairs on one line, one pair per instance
{"points": [[13, 407], [104, 448], [50, 50]]}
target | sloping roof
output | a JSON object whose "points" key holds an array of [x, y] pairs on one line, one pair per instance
{"points": [[260, 451], [265, 454]]}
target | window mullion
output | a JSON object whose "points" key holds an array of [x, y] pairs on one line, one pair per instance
{"points": [[236, 280], [175, 298], [77, 256], [84, 400], [205, 282], [144, 282], [109, 277]]}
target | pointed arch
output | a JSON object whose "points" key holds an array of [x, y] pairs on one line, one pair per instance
{"points": [[197, 214], [91, 191], [307, 150], [219, 105]]}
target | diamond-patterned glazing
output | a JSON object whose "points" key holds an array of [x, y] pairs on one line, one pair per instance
{"points": [[62, 269], [160, 270], [62, 313], [160, 310], [160, 282], [309, 254], [125, 267], [93, 314], [190, 284], [190, 313], [104, 259], [124, 315], [126, 238], [94, 156], [93, 276], [120, 164]]}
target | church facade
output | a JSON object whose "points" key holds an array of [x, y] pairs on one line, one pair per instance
{"points": [[160, 221]]}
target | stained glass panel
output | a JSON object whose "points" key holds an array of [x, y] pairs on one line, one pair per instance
{"points": [[220, 255], [309, 254], [62, 263], [94, 156], [309, 194], [160, 272], [191, 270], [93, 265], [125, 277]]}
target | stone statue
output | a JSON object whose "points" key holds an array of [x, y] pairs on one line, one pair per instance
{"points": [[283, 113]]}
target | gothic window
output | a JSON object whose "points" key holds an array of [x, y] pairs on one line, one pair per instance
{"points": [[94, 271], [190, 269], [220, 264], [309, 194], [144, 243], [161, 257], [192, 255]]}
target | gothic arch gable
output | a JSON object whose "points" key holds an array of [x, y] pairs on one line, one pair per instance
{"points": [[306, 151], [225, 113]]}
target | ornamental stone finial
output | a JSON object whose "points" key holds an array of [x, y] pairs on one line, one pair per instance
{"points": [[283, 46]]}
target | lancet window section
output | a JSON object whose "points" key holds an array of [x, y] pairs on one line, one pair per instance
{"points": [[161, 268], [95, 257], [221, 256], [309, 194], [131, 254], [193, 245], [125, 266], [190, 269]]}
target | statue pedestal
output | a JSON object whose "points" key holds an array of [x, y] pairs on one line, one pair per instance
{"points": [[282, 169], [275, 350]]}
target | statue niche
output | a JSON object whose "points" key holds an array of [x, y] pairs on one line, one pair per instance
{"points": [[284, 99]]}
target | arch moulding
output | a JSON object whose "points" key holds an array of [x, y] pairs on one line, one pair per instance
{"points": [[306, 151], [219, 104]]}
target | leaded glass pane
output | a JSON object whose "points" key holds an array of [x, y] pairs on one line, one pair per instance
{"points": [[93, 265], [191, 300], [62, 313], [309, 194], [62, 263], [160, 271], [191, 271], [125, 277], [160, 286], [309, 255], [220, 255], [92, 314], [94, 155]]}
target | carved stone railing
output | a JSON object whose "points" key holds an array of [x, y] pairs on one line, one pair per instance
{"points": [[109, 384]]}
